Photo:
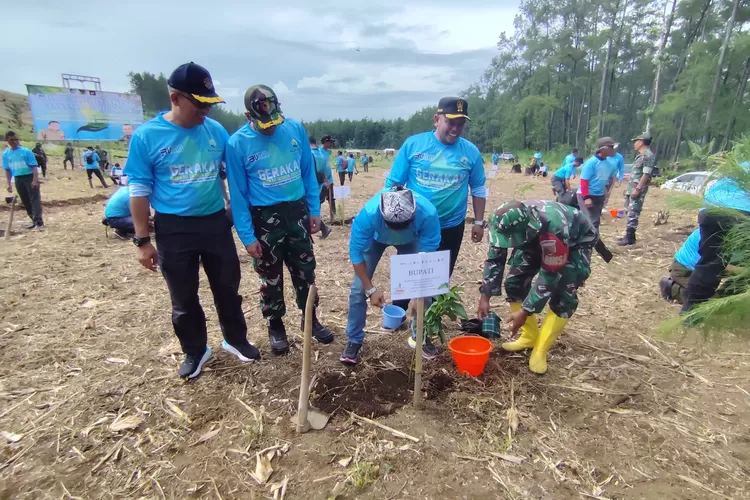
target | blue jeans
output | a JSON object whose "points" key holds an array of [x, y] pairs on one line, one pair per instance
{"points": [[355, 324], [124, 224]]}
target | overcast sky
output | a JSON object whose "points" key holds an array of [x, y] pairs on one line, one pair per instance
{"points": [[325, 59]]}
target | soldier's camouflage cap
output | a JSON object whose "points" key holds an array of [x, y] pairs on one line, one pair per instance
{"points": [[514, 224]]}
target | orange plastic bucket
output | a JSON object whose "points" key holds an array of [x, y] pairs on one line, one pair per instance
{"points": [[613, 212], [470, 353]]}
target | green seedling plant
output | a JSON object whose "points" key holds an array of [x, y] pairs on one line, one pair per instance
{"points": [[446, 305]]}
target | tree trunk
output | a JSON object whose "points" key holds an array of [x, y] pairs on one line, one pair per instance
{"points": [[602, 93], [659, 60], [738, 98], [679, 138], [717, 77]]}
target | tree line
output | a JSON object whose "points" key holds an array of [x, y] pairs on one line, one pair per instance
{"points": [[573, 71]]}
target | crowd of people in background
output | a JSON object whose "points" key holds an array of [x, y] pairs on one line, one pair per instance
{"points": [[279, 178]]}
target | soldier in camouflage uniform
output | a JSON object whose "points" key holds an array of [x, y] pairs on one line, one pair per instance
{"points": [[644, 167], [552, 242]]}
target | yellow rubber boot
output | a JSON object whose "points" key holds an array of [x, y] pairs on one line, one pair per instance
{"points": [[529, 332], [551, 328]]}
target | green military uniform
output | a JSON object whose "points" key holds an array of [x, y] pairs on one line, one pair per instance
{"points": [[41, 158], [69, 155], [283, 231], [551, 241], [560, 254], [645, 163]]}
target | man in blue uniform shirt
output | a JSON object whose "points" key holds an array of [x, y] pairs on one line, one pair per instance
{"points": [[395, 217], [714, 225], [561, 178], [443, 167], [20, 164], [597, 178], [341, 165], [276, 207], [325, 179], [117, 214], [175, 165]]}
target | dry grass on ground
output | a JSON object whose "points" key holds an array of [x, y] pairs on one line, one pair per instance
{"points": [[92, 408]]}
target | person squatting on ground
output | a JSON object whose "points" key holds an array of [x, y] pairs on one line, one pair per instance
{"points": [[714, 226], [398, 218], [442, 166], [117, 214], [325, 179], [69, 157], [644, 168], [351, 165], [91, 164], [41, 158], [673, 287], [276, 206], [552, 242], [561, 178], [597, 178], [20, 165], [341, 167], [190, 221]]}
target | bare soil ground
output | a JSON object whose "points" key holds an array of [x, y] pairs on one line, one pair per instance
{"points": [[92, 407]]}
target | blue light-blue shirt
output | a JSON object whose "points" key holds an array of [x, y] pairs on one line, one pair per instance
{"points": [[368, 225], [599, 172], [265, 170], [365, 160], [441, 173], [326, 154], [321, 165], [569, 160], [340, 164], [495, 158], [566, 171], [20, 161], [350, 163], [94, 165], [118, 204], [619, 162], [177, 168], [726, 193], [688, 254], [538, 155]]}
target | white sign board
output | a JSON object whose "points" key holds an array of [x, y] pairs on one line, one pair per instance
{"points": [[492, 174], [386, 174], [420, 275], [494, 168], [342, 192], [124, 180]]}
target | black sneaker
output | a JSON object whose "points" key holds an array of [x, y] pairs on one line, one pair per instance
{"points": [[325, 231], [38, 227], [122, 235], [247, 353], [429, 351], [277, 338], [350, 356], [191, 367], [319, 332], [32, 226], [665, 286]]}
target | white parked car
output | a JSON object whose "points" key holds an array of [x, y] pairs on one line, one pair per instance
{"points": [[691, 182]]}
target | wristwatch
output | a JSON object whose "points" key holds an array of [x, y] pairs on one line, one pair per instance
{"points": [[139, 242], [369, 292], [479, 223]]}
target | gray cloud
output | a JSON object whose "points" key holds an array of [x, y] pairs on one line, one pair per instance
{"points": [[340, 60]]}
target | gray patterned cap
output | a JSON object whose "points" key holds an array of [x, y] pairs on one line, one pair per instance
{"points": [[398, 206]]}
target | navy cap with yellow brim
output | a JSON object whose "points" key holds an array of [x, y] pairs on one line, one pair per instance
{"points": [[453, 107], [215, 99], [195, 80]]}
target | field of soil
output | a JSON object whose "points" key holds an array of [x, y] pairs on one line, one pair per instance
{"points": [[91, 406]]}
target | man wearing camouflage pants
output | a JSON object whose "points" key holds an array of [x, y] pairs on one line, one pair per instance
{"points": [[644, 167], [549, 239], [276, 207]]}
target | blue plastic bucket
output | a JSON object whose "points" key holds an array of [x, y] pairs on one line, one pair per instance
{"points": [[393, 316]]}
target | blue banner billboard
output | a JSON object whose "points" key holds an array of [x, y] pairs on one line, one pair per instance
{"points": [[62, 114]]}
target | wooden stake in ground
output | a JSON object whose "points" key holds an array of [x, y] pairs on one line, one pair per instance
{"points": [[330, 203], [418, 354], [10, 217], [308, 418]]}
